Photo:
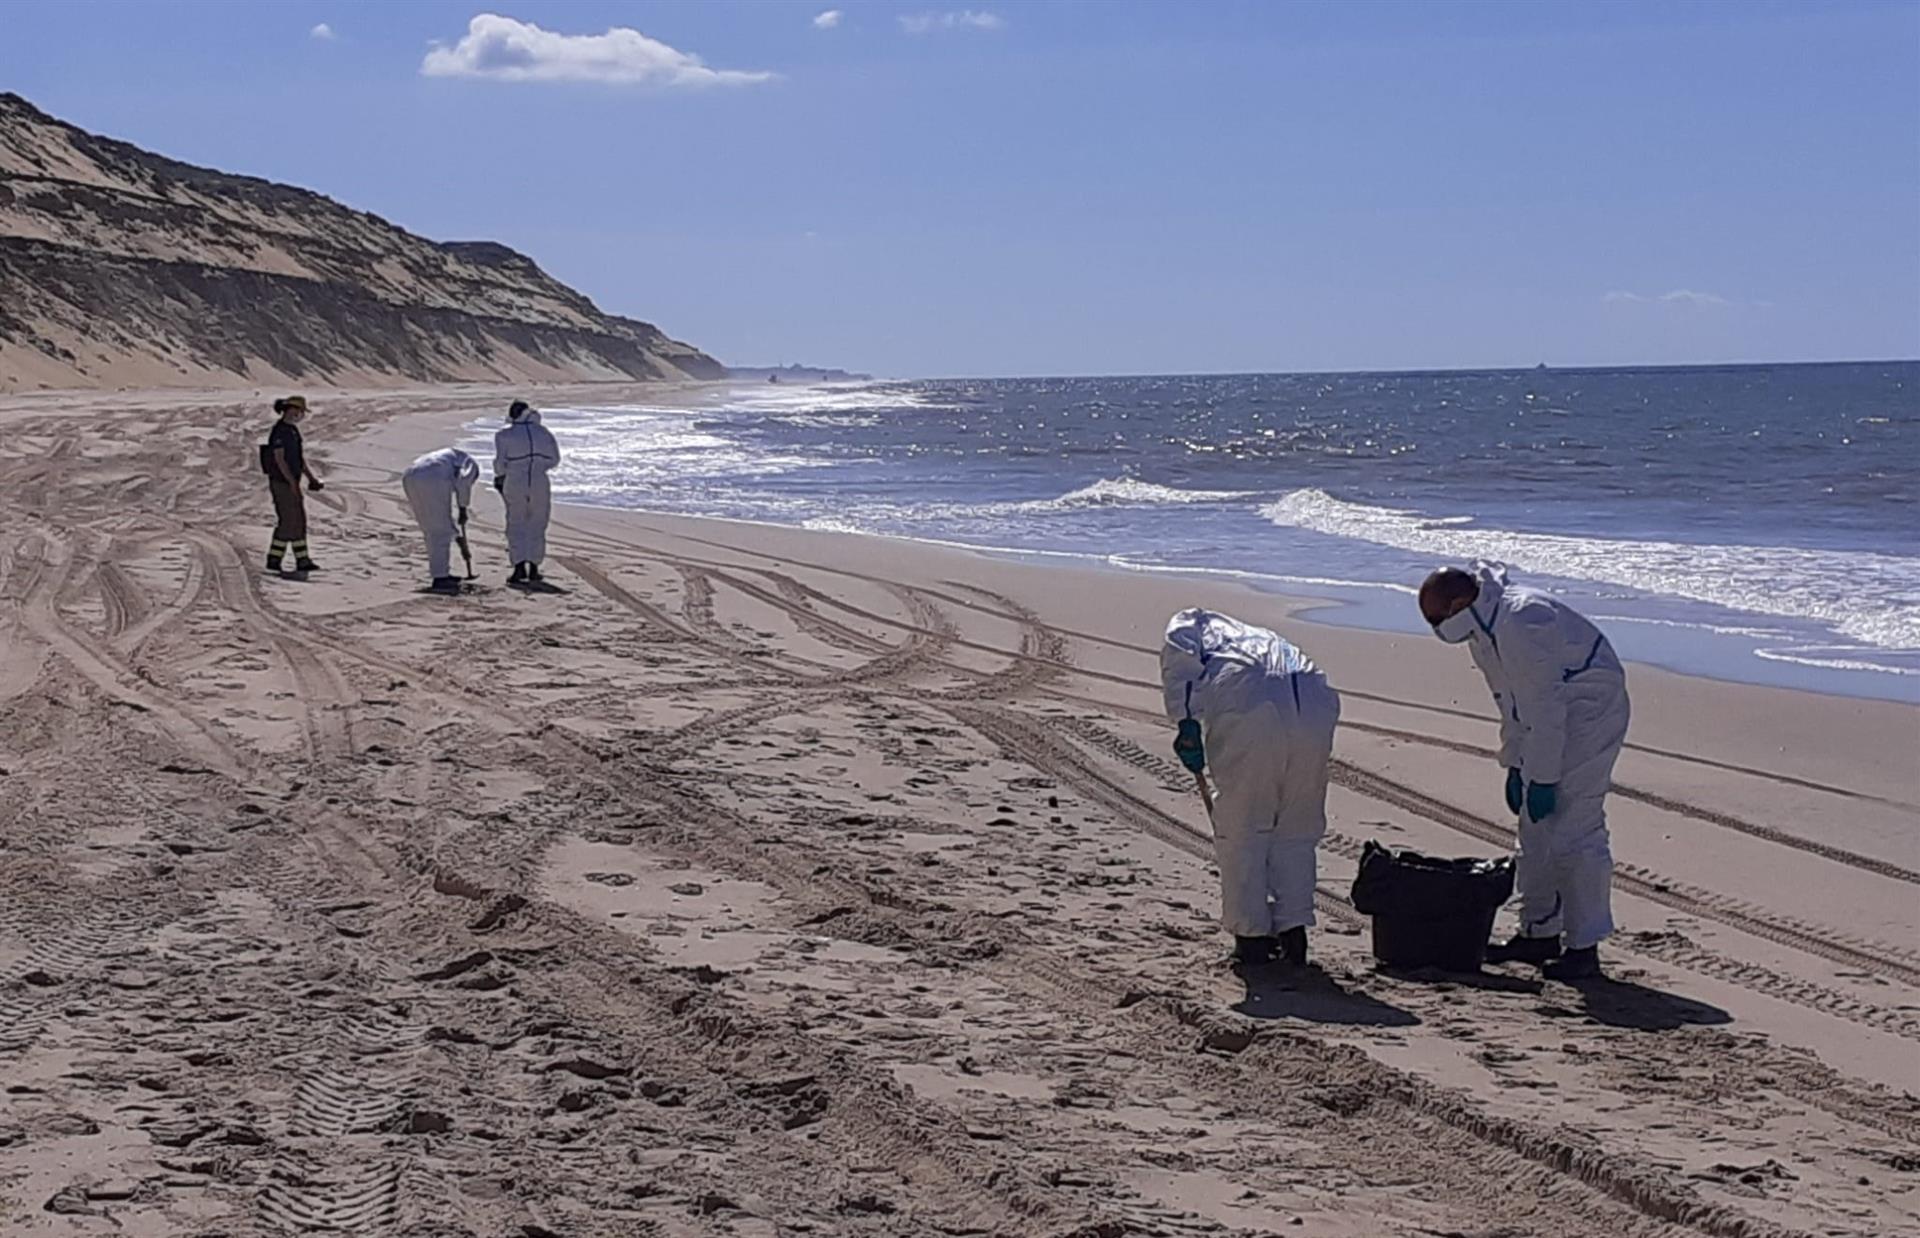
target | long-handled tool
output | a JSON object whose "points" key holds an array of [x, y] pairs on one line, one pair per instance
{"points": [[1206, 791], [460, 540]]}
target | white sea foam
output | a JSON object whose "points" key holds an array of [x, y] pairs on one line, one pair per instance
{"points": [[1131, 492], [1871, 598]]}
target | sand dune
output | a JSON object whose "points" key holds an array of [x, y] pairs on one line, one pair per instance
{"points": [[753, 881], [127, 269]]}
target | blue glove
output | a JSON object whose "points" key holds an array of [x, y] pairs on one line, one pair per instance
{"points": [[1516, 788], [1187, 746], [1540, 800]]}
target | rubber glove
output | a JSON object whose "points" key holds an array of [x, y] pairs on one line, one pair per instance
{"points": [[1540, 800], [315, 484], [500, 484], [1516, 788], [1187, 746]]}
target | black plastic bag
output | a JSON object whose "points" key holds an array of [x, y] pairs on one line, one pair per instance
{"points": [[1427, 911], [1424, 887]]}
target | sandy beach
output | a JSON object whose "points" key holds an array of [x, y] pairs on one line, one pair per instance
{"points": [[759, 881]]}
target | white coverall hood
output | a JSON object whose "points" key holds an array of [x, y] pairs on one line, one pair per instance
{"points": [[1197, 637], [1267, 717], [435, 484], [1562, 697], [523, 454]]}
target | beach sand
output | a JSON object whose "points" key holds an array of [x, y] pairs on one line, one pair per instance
{"points": [[758, 881]]}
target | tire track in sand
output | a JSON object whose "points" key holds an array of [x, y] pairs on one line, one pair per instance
{"points": [[102, 668], [1712, 816], [323, 694], [601, 583], [1300, 1066], [122, 600], [1813, 1085], [174, 609], [1072, 634]]}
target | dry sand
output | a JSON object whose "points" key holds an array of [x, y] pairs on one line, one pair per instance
{"points": [[758, 882]]}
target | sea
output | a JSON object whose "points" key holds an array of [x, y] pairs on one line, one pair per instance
{"points": [[1754, 523]]}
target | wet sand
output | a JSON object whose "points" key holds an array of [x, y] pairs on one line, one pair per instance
{"points": [[757, 881]]}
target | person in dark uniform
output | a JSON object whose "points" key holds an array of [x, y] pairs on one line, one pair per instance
{"points": [[284, 459]]}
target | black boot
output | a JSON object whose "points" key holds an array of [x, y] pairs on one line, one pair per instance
{"points": [[1253, 951], [1519, 949], [519, 576], [1293, 946], [1581, 964], [533, 573], [446, 584]]}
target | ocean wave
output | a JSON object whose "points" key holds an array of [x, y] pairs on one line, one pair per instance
{"points": [[1133, 564], [1130, 492], [1868, 597]]}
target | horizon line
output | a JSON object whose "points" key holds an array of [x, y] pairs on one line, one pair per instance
{"points": [[1412, 371]]}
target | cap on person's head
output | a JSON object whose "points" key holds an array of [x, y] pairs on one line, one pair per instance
{"points": [[516, 410]]}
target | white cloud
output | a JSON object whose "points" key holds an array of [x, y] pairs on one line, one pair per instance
{"points": [[322, 32], [1679, 296], [963, 19], [1687, 296], [516, 51], [827, 20]]}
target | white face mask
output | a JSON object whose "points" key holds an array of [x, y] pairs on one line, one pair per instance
{"points": [[1457, 627]]}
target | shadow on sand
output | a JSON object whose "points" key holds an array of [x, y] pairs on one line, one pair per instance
{"points": [[1485, 981], [536, 586], [1622, 1003], [1282, 992]]}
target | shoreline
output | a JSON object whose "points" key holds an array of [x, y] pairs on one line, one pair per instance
{"points": [[411, 434], [1360, 580]]}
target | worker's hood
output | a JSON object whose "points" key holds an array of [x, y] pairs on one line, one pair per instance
{"points": [[1201, 644], [1477, 618], [1492, 579]]}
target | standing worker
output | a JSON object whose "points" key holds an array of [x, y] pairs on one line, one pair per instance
{"points": [[1258, 710], [523, 452], [1562, 697], [284, 460], [437, 484]]}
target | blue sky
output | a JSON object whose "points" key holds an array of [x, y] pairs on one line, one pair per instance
{"points": [[1027, 188]]}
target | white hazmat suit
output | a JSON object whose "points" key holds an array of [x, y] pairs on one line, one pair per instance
{"points": [[523, 453], [437, 483], [1562, 696], [1267, 717]]}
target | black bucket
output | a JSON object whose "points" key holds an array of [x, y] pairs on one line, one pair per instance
{"points": [[1428, 911]]}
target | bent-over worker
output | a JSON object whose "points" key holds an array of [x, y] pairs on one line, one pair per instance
{"points": [[438, 484], [1255, 709]]}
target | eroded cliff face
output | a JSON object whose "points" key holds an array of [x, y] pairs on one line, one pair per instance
{"points": [[119, 267]]}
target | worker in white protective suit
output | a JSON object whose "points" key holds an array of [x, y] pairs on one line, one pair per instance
{"points": [[1562, 697], [438, 485], [1255, 710], [523, 453]]}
